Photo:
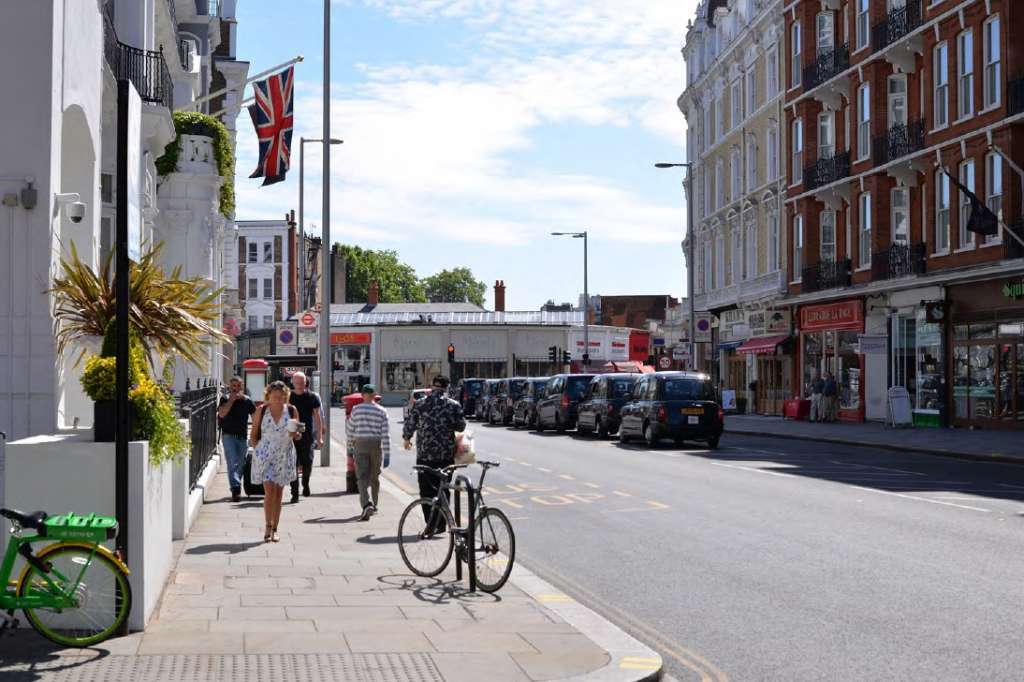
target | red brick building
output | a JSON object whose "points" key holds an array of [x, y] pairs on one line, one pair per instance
{"points": [[888, 286]]}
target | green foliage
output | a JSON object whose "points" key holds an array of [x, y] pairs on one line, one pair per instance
{"points": [[100, 378], [455, 286], [157, 422], [196, 123], [398, 281]]}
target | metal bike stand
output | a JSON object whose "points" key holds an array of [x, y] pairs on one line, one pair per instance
{"points": [[469, 537]]}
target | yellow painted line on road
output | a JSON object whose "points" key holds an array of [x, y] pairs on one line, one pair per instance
{"points": [[567, 477], [638, 663], [620, 493], [546, 471], [554, 598], [657, 505], [591, 485]]}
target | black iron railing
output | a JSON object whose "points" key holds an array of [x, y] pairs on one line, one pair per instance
{"points": [[826, 274], [899, 140], [146, 69], [828, 65], [1015, 97], [898, 23], [827, 169], [899, 260], [199, 406]]}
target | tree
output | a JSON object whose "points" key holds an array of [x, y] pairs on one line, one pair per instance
{"points": [[455, 286], [397, 280]]}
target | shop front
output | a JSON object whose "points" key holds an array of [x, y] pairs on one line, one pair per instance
{"points": [[481, 354], [917, 351], [987, 354], [410, 359], [830, 344], [733, 330], [352, 360]]}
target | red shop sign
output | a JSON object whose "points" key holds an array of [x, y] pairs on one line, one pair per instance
{"points": [[847, 315], [350, 339]]}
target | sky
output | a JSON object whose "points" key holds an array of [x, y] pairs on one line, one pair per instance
{"points": [[475, 128]]}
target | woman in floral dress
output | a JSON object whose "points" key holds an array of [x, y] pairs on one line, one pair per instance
{"points": [[273, 461]]}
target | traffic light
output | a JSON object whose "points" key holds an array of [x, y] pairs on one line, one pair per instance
{"points": [[566, 358], [553, 353], [451, 352]]}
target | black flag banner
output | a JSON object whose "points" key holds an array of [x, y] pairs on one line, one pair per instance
{"points": [[982, 219]]}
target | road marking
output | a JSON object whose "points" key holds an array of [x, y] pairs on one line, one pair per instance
{"points": [[566, 477], [551, 500], [1007, 485], [921, 499], [526, 464], [637, 663], [546, 471], [654, 506], [870, 466], [591, 485], [554, 598], [621, 494]]}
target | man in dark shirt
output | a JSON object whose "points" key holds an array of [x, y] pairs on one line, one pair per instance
{"points": [[308, 405], [435, 420], [233, 414]]}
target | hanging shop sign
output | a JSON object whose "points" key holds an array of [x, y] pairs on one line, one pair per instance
{"points": [[351, 338], [1013, 290], [732, 326], [777, 321]]}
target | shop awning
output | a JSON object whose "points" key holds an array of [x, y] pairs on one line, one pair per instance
{"points": [[762, 345]]}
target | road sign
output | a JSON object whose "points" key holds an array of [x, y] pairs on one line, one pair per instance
{"points": [[681, 352], [307, 338], [287, 336], [308, 320], [703, 328], [665, 362]]}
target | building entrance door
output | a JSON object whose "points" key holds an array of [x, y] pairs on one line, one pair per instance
{"points": [[772, 384]]}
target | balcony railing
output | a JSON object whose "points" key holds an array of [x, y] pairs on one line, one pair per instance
{"points": [[826, 274], [1015, 97], [899, 260], [827, 169], [899, 140], [900, 22], [827, 66], [146, 69]]}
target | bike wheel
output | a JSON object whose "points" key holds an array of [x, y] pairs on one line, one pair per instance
{"points": [[425, 551], [495, 549], [103, 595]]}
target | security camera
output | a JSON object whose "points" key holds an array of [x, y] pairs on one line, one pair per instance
{"points": [[76, 211]]}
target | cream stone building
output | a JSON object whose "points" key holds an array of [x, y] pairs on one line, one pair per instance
{"points": [[734, 52]]}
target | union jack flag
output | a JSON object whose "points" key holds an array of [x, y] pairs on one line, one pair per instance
{"points": [[272, 117]]}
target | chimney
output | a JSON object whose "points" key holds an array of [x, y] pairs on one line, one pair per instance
{"points": [[499, 296], [373, 295]]}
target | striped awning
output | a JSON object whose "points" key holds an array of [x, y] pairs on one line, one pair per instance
{"points": [[762, 345]]}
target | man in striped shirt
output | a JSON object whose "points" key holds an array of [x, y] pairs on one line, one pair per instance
{"points": [[368, 431]]}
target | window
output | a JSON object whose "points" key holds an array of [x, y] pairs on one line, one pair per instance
{"points": [[941, 212], [736, 262], [828, 235], [798, 151], [268, 289], [798, 247], [751, 164], [720, 116], [825, 23], [773, 242], [772, 164], [751, 91], [966, 240], [107, 188], [254, 252], [736, 174], [268, 252], [268, 321], [864, 254], [897, 100], [254, 322], [750, 271], [900, 219], [863, 121], [737, 103], [254, 291], [940, 81], [965, 73], [709, 283], [773, 72], [709, 126], [826, 135], [796, 65], [992, 58], [720, 260], [698, 189], [863, 23], [719, 184], [708, 188], [994, 192]]}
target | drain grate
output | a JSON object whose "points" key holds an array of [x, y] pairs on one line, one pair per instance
{"points": [[413, 667]]}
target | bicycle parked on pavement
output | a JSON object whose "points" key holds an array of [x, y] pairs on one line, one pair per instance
{"points": [[74, 592], [428, 533]]}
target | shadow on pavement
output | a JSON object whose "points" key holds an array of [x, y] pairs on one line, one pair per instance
{"points": [[223, 548], [437, 591], [26, 656], [351, 519], [377, 540]]}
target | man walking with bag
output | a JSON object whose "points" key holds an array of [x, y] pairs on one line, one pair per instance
{"points": [[368, 429], [308, 405], [233, 414], [435, 420]]}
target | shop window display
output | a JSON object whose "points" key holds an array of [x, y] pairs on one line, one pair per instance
{"points": [[406, 376], [834, 352], [988, 372]]}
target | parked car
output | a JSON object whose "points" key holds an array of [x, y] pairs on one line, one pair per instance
{"points": [[504, 400], [466, 393], [677, 405], [414, 397], [562, 395], [483, 402], [524, 411], [600, 408]]}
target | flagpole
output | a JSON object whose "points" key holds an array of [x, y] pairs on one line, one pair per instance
{"points": [[1016, 169], [1006, 228], [326, 366], [223, 91]]}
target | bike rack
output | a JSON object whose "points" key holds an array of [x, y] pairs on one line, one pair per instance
{"points": [[467, 530]]}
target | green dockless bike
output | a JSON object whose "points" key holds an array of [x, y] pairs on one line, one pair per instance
{"points": [[75, 591]]}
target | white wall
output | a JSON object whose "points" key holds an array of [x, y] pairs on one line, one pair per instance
{"points": [[876, 368]]}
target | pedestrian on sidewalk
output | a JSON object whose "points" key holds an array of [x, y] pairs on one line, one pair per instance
{"points": [[370, 433], [308, 405], [817, 387], [435, 421], [233, 413], [275, 430], [830, 396]]}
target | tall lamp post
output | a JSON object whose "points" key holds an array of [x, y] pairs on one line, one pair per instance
{"points": [[326, 272], [689, 255], [302, 225], [586, 295]]}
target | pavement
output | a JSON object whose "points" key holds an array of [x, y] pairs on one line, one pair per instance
{"points": [[982, 444], [334, 601]]}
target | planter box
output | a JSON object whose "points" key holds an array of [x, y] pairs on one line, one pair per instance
{"points": [[104, 420]]}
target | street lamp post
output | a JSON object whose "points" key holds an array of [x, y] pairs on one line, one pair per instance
{"points": [[326, 280], [586, 295], [689, 255], [302, 225]]}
